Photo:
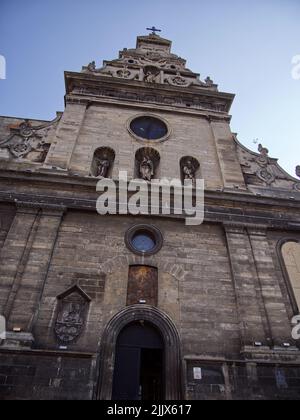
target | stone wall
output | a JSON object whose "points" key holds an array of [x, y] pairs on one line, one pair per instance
{"points": [[90, 251], [46, 376]]}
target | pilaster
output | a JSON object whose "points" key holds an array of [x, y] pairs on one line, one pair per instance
{"points": [[254, 325], [66, 137], [270, 287], [24, 300]]}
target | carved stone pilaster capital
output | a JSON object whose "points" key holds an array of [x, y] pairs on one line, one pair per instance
{"points": [[231, 227], [34, 207], [257, 230], [26, 207], [53, 210]]}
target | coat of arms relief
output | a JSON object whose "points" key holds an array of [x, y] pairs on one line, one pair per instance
{"points": [[71, 315], [27, 142]]}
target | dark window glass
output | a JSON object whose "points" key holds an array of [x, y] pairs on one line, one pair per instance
{"points": [[149, 128], [143, 242]]}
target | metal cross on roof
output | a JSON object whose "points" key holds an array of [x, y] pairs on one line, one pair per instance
{"points": [[154, 30]]}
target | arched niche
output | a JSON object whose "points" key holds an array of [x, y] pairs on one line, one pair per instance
{"points": [[146, 163], [172, 349], [103, 162], [189, 168]]}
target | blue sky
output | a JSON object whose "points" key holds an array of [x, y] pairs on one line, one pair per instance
{"points": [[245, 46]]}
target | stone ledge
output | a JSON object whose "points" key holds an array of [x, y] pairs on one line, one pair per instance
{"points": [[17, 341]]}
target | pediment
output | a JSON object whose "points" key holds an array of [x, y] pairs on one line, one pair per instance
{"points": [[264, 172]]}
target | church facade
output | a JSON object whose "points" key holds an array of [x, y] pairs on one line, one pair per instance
{"points": [[145, 307]]}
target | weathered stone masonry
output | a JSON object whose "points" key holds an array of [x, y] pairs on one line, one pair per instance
{"points": [[224, 299]]}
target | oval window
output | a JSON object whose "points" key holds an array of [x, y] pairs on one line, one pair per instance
{"points": [[149, 128]]}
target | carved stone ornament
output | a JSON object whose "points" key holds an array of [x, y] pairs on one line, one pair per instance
{"points": [[263, 160], [29, 142], [209, 82], [266, 176], [72, 312], [151, 62], [297, 186], [178, 80], [124, 73], [261, 170]]}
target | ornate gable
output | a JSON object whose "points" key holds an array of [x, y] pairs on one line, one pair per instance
{"points": [[261, 172], [27, 142], [151, 62]]}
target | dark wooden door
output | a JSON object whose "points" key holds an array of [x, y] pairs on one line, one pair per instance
{"points": [[142, 285], [139, 366]]}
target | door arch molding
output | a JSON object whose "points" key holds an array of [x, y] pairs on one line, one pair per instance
{"points": [[161, 321]]}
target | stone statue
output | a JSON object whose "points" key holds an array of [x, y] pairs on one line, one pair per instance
{"points": [[209, 82], [147, 169], [263, 150], [103, 167], [298, 171], [92, 66], [189, 170], [150, 77]]}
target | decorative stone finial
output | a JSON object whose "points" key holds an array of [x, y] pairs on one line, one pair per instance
{"points": [[263, 150], [209, 82], [298, 171]]}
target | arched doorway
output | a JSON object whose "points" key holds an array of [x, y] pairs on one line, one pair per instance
{"points": [[159, 330], [139, 364]]}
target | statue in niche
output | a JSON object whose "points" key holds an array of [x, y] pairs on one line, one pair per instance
{"points": [[150, 77], [189, 171], [103, 167], [147, 169], [151, 74], [298, 171]]}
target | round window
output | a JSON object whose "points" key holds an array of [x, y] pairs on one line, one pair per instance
{"points": [[144, 240], [149, 128]]}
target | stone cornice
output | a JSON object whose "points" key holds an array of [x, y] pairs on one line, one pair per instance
{"points": [[201, 113], [234, 211], [66, 178], [92, 85]]}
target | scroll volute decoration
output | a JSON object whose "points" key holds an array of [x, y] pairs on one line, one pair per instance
{"points": [[103, 161], [29, 143], [147, 162], [71, 316], [189, 167]]}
